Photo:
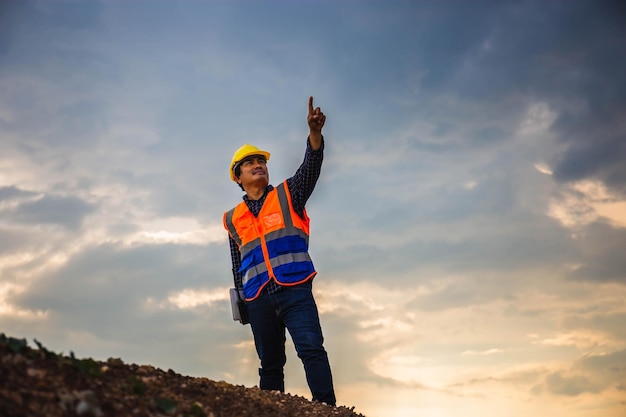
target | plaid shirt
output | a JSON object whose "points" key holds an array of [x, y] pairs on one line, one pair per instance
{"points": [[301, 187]]}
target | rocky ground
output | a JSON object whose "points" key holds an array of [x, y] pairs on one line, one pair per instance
{"points": [[35, 382]]}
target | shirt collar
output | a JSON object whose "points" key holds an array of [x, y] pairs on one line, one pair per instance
{"points": [[268, 188]]}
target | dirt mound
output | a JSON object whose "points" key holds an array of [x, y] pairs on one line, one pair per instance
{"points": [[41, 383]]}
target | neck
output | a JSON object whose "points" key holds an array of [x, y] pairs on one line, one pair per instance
{"points": [[255, 192]]}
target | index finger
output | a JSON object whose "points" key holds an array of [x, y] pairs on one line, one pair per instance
{"points": [[310, 104]]}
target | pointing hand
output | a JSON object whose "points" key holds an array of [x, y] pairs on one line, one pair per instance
{"points": [[315, 118]]}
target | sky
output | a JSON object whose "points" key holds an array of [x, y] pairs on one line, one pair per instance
{"points": [[468, 227]]}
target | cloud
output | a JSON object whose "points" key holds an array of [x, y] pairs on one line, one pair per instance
{"points": [[590, 374], [609, 367], [594, 92], [582, 202], [68, 212], [603, 321], [96, 276], [601, 260], [468, 249], [576, 75], [12, 240], [570, 385], [491, 351], [9, 193]]}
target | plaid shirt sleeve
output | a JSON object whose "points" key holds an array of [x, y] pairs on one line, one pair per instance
{"points": [[235, 257], [302, 184]]}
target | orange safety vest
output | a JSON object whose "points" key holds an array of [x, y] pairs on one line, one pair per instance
{"points": [[273, 245]]}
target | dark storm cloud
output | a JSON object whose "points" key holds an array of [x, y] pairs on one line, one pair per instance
{"points": [[566, 54], [570, 60], [64, 211], [593, 128], [598, 154], [68, 212], [11, 192]]}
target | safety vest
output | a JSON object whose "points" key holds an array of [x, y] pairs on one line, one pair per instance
{"points": [[273, 245]]}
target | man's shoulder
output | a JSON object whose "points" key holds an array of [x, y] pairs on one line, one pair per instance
{"points": [[232, 210]]}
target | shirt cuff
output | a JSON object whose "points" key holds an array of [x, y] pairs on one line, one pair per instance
{"points": [[310, 150]]}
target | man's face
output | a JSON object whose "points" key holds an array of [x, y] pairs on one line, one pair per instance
{"points": [[253, 171]]}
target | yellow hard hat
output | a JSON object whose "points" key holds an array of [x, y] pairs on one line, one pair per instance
{"points": [[243, 152]]}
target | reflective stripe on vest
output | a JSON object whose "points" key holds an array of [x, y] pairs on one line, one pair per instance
{"points": [[273, 245]]}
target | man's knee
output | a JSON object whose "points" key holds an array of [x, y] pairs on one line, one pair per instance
{"points": [[313, 354]]}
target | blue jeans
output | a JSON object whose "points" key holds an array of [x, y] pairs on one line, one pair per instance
{"points": [[293, 308]]}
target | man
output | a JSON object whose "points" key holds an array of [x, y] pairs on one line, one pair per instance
{"points": [[269, 238]]}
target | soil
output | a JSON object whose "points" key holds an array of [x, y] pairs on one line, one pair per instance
{"points": [[41, 383]]}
